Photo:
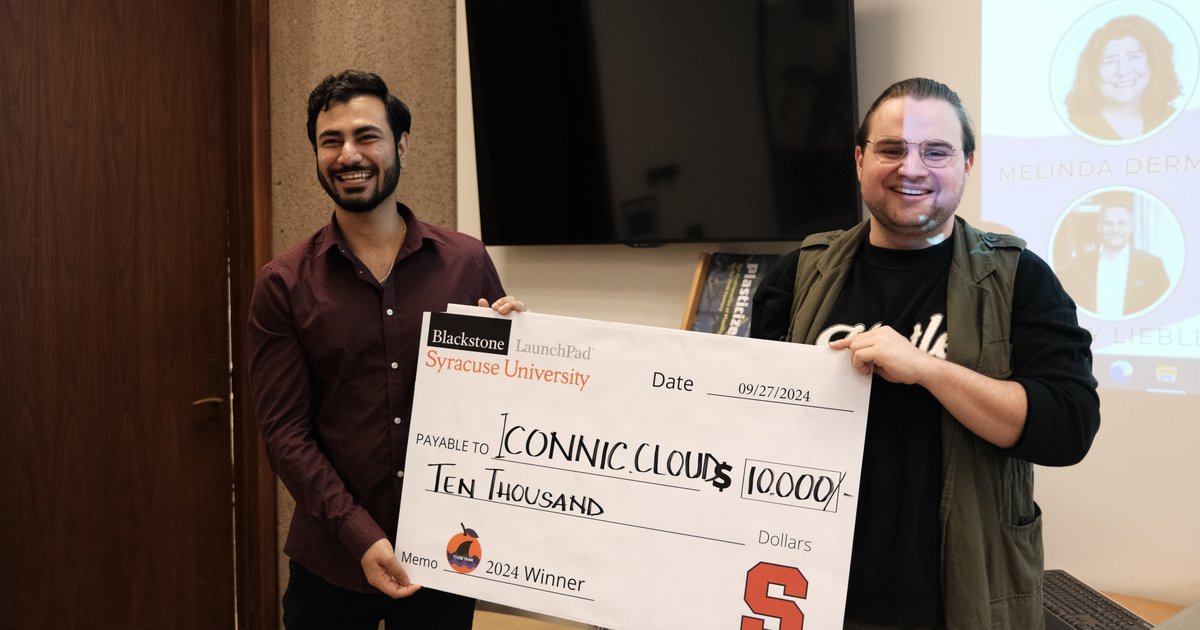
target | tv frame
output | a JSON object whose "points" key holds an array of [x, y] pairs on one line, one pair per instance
{"points": [[485, 105]]}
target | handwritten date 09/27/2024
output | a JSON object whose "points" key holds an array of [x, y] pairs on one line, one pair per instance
{"points": [[658, 380]]}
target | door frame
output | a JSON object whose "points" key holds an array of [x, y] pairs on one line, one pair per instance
{"points": [[249, 247]]}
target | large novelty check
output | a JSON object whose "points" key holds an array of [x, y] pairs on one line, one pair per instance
{"points": [[632, 477]]}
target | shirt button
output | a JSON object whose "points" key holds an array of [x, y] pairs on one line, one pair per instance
{"points": [[397, 420], [395, 365], [400, 473], [390, 311]]}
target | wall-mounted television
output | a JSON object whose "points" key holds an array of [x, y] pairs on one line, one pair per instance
{"points": [[661, 121]]}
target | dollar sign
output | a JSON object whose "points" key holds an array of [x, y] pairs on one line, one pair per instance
{"points": [[720, 480]]}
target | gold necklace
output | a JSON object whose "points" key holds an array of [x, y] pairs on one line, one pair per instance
{"points": [[403, 233]]}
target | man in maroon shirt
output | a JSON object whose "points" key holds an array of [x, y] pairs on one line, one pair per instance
{"points": [[334, 332]]}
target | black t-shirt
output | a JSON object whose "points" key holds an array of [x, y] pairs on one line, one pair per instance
{"points": [[897, 532], [894, 570]]}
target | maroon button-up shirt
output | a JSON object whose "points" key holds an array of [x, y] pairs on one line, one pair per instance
{"points": [[333, 358]]}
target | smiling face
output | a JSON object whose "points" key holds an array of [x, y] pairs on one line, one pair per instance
{"points": [[358, 161], [1124, 71], [912, 204], [1116, 227]]}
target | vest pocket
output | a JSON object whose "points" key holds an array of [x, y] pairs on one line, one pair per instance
{"points": [[1020, 556]]}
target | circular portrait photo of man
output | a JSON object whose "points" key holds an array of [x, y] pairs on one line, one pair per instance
{"points": [[1118, 251], [1124, 71]]}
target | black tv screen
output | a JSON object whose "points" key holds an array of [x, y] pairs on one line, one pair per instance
{"points": [[657, 121]]}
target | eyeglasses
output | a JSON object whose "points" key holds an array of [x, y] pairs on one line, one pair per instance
{"points": [[934, 153]]}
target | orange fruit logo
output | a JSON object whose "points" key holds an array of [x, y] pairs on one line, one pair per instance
{"points": [[463, 551]]}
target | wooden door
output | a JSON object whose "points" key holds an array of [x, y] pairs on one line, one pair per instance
{"points": [[116, 470]]}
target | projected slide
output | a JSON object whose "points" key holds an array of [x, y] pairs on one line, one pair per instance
{"points": [[1091, 153]]}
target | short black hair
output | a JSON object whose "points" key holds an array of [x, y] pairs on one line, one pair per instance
{"points": [[919, 87], [341, 87]]}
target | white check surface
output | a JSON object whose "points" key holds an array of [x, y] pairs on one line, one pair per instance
{"points": [[636, 477]]}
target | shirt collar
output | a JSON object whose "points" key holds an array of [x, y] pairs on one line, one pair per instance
{"points": [[417, 233], [1117, 258]]}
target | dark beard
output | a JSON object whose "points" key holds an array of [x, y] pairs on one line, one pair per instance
{"points": [[937, 219], [391, 177]]}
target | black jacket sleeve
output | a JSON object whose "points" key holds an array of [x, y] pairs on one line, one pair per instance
{"points": [[1052, 359], [771, 308]]}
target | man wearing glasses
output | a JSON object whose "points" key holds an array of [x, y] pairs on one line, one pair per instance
{"points": [[980, 371]]}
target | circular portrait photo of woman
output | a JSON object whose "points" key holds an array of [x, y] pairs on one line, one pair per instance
{"points": [[1124, 71]]}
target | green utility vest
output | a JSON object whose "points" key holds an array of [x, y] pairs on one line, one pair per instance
{"points": [[991, 554]]}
